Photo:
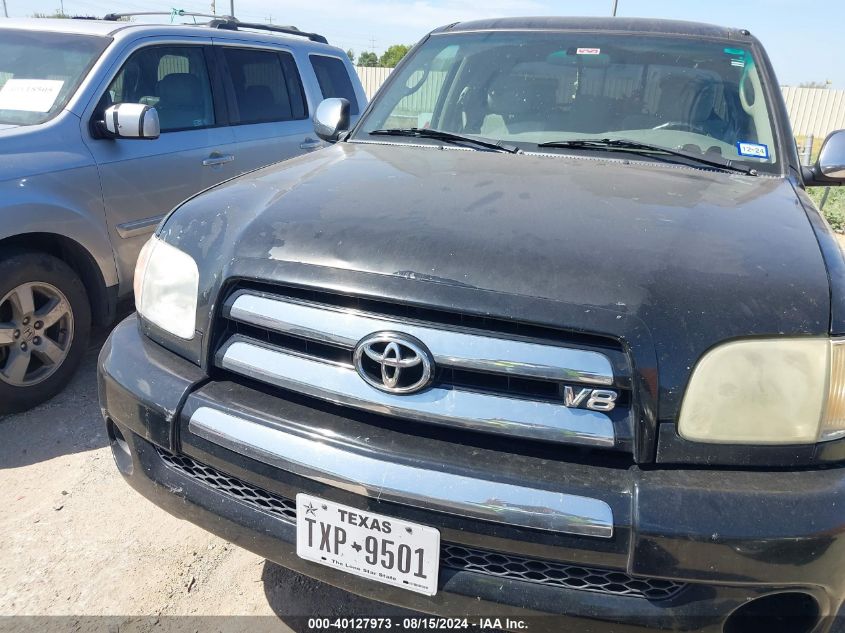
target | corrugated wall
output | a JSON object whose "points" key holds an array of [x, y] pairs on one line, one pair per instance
{"points": [[816, 111], [372, 78]]}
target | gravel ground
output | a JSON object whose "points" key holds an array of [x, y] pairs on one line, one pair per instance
{"points": [[78, 541]]}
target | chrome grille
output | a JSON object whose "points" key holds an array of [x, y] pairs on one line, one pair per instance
{"points": [[452, 556], [488, 382], [451, 348]]}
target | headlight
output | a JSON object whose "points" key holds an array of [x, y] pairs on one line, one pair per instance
{"points": [[775, 391], [166, 284]]}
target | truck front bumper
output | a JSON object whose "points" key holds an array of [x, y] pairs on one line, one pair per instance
{"points": [[717, 541]]}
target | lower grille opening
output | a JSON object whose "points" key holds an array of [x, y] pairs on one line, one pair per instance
{"points": [[452, 555], [284, 509]]}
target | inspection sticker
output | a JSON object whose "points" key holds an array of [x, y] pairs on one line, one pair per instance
{"points": [[757, 150], [30, 95], [588, 51], [738, 57]]}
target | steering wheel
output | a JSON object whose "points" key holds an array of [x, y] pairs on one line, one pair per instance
{"points": [[682, 125]]}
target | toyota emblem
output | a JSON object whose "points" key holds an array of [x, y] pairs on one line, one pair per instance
{"points": [[394, 362]]}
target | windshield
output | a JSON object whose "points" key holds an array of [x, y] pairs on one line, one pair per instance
{"points": [[703, 97], [40, 71]]}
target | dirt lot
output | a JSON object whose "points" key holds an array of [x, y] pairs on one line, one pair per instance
{"points": [[78, 541]]}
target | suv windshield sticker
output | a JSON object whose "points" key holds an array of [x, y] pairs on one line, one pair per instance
{"points": [[30, 95], [588, 51], [738, 56], [756, 150]]}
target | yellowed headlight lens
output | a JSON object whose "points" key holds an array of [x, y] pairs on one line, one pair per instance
{"points": [[770, 391], [166, 283]]}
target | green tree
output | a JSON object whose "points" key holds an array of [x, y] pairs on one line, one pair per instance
{"points": [[815, 84], [393, 55], [67, 16], [367, 58], [351, 55]]}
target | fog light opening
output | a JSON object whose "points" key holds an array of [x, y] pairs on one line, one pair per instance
{"points": [[779, 613], [119, 448]]}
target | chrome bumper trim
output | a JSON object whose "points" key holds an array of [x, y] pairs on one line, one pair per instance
{"points": [[486, 413], [390, 481], [450, 348]]}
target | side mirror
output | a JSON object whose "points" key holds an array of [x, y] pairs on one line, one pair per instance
{"points": [[130, 121], [829, 170], [832, 157], [331, 119]]}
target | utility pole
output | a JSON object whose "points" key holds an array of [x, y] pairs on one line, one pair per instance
{"points": [[372, 42], [213, 7], [615, 5], [232, 8], [5, 10]]}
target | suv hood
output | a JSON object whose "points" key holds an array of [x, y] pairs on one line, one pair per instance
{"points": [[50, 147], [695, 256]]}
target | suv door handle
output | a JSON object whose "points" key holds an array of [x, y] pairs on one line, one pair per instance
{"points": [[216, 158], [310, 143]]}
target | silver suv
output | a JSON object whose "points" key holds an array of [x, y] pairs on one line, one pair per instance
{"points": [[106, 125]]}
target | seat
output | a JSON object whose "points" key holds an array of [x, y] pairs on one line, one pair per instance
{"points": [[519, 103], [181, 102], [684, 99], [703, 109]]}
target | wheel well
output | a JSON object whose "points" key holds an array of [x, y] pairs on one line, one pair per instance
{"points": [[79, 259]]}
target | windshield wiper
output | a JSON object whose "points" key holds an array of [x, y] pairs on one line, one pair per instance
{"points": [[448, 137], [622, 145]]}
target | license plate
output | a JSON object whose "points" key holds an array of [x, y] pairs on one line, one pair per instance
{"points": [[374, 546]]}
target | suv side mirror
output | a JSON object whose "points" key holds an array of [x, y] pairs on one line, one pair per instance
{"points": [[130, 121], [829, 170], [331, 118]]}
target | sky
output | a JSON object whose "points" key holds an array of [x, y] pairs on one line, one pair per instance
{"points": [[804, 38]]}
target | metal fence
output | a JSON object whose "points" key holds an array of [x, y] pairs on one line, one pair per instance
{"points": [[813, 111], [372, 78]]}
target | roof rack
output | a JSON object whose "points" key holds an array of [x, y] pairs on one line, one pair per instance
{"points": [[225, 22], [114, 17], [232, 24]]}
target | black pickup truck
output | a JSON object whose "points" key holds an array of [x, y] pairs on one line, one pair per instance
{"points": [[554, 329]]}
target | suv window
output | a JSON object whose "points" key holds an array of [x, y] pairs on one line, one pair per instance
{"points": [[40, 71], [265, 85], [173, 79], [334, 80]]}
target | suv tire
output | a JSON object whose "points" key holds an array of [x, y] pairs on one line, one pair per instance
{"points": [[45, 325]]}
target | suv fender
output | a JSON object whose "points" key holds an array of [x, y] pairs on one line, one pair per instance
{"points": [[73, 235]]}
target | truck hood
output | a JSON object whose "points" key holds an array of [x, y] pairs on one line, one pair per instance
{"points": [[693, 256]]}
